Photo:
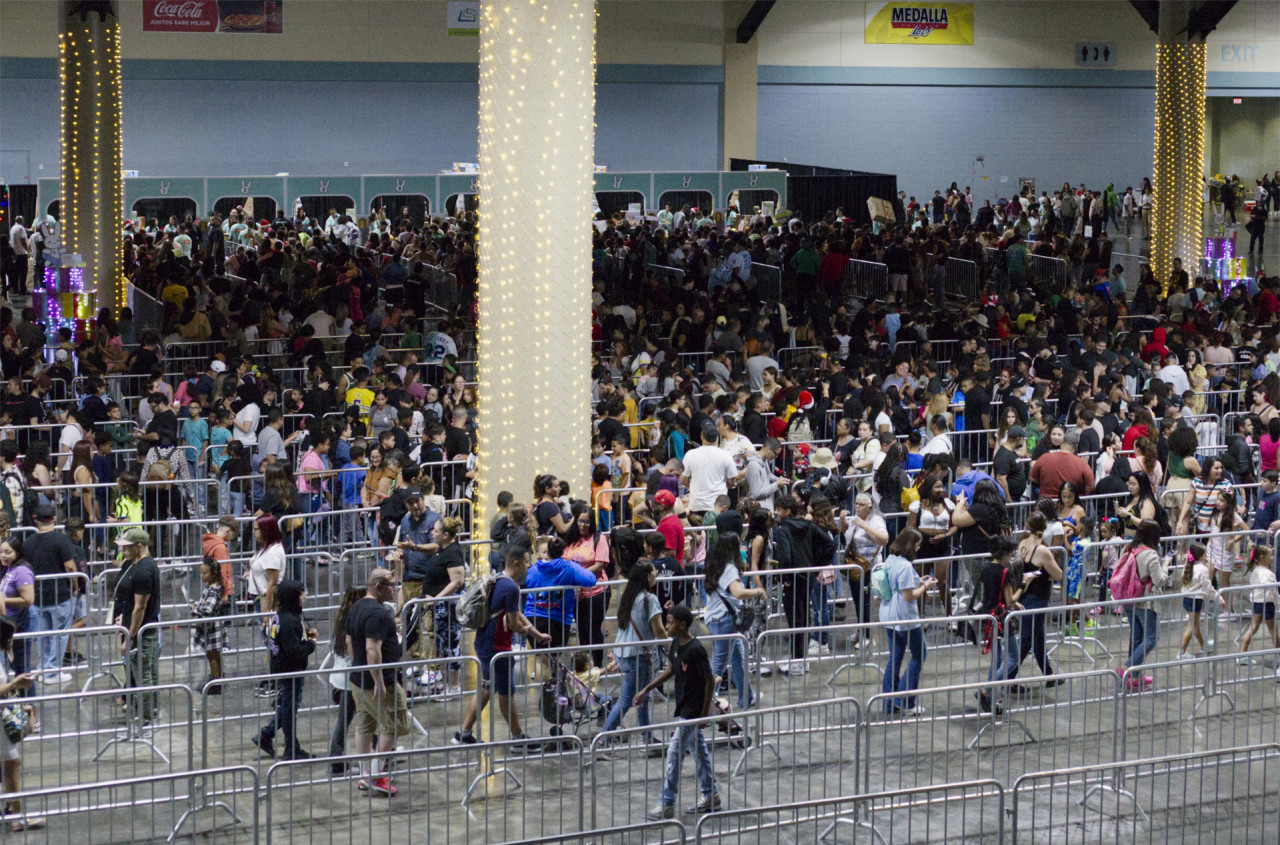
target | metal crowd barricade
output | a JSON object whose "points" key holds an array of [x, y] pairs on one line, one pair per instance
{"points": [[866, 279], [789, 356], [1045, 269], [543, 799], [1202, 797], [961, 279], [971, 811], [1070, 721], [1132, 268], [146, 809], [669, 832], [766, 281], [813, 752], [672, 276], [231, 718]]}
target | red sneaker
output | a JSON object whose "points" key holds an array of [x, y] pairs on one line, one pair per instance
{"points": [[382, 786]]}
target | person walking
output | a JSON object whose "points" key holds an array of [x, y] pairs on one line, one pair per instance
{"points": [[137, 604], [1142, 564], [725, 597], [12, 682], [900, 589], [688, 664], [291, 645], [497, 677], [340, 680], [639, 620], [382, 711]]}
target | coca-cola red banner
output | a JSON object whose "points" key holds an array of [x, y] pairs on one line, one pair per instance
{"points": [[266, 16]]}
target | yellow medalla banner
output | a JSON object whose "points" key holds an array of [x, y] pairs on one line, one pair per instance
{"points": [[937, 23]]}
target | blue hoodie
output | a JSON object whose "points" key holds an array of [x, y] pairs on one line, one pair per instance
{"points": [[557, 604]]}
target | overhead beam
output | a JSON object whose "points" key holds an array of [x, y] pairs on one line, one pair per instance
{"points": [[1202, 18], [1150, 11], [752, 19]]}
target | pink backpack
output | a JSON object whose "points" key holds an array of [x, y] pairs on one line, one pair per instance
{"points": [[1124, 582]]}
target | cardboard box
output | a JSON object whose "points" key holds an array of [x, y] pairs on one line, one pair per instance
{"points": [[881, 210]]}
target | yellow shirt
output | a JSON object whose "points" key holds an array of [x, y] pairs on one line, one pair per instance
{"points": [[362, 397], [175, 293]]}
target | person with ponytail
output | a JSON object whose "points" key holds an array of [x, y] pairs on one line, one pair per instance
{"points": [[1197, 580], [1261, 575]]}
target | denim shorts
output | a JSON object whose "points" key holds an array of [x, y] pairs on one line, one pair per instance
{"points": [[1265, 609], [1193, 605]]}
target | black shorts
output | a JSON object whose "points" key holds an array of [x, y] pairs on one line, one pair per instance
{"points": [[503, 671], [560, 632]]}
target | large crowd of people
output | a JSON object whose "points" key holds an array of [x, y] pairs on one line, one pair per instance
{"points": [[918, 453]]}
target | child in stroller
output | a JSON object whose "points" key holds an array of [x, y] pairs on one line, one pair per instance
{"points": [[569, 696]]}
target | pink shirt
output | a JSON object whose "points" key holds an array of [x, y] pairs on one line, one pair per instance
{"points": [[311, 462]]}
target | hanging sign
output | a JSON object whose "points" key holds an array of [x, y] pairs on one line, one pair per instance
{"points": [[933, 23]]}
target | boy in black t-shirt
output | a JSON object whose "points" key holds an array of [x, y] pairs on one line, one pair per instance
{"points": [[688, 663]]}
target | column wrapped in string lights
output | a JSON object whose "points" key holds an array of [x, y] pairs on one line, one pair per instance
{"points": [[92, 185], [1177, 211], [537, 137]]}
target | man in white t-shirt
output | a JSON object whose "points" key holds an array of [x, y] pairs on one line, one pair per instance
{"points": [[182, 244], [940, 442], [21, 255], [708, 472], [1173, 375]]}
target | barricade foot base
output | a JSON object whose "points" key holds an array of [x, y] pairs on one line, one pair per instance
{"points": [[211, 808], [756, 744], [996, 725], [484, 776], [1099, 788], [855, 823], [843, 667], [1209, 695]]}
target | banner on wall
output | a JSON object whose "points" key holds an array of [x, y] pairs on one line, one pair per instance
{"points": [[935, 23], [230, 16], [463, 18]]}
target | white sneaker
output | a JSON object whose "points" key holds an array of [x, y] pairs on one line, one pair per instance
{"points": [[1182, 655], [824, 649], [60, 678], [798, 667], [813, 647], [766, 671]]}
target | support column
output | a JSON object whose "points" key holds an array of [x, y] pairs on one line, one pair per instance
{"points": [[741, 70], [537, 139], [92, 186], [1178, 210]]}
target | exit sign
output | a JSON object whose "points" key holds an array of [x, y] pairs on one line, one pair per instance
{"points": [[1095, 54]]}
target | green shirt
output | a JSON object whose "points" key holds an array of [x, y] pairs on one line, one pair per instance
{"points": [[806, 261]]}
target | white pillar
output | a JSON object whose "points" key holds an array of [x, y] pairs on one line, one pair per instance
{"points": [[537, 137]]}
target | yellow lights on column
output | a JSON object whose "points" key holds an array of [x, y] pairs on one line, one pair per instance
{"points": [[92, 187], [537, 137], [1177, 211]]}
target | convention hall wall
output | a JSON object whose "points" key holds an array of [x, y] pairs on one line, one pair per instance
{"points": [[380, 87]]}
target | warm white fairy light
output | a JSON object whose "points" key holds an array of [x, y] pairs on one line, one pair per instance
{"points": [[537, 136], [1176, 210]]}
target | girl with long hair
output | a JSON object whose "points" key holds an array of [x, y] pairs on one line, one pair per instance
{"points": [[1144, 624], [1261, 576], [639, 620], [340, 680], [725, 596], [1197, 580], [590, 549]]}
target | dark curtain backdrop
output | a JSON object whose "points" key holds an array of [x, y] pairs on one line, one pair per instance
{"points": [[813, 191]]}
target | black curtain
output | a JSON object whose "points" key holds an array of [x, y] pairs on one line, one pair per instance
{"points": [[814, 191]]}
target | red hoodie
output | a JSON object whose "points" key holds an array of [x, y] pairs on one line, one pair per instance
{"points": [[1156, 346]]}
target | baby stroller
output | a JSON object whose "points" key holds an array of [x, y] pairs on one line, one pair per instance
{"points": [[566, 700]]}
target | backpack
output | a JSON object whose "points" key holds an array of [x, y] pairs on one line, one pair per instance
{"points": [[472, 610], [1162, 519], [1124, 582], [625, 548], [881, 586], [28, 497]]}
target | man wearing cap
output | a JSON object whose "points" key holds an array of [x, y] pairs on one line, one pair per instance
{"points": [[382, 711], [708, 473], [137, 604], [1009, 472], [413, 543], [50, 552], [669, 525]]}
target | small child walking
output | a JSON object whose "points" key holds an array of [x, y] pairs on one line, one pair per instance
{"points": [[211, 637], [1109, 556], [1260, 574], [1196, 579], [1078, 539]]}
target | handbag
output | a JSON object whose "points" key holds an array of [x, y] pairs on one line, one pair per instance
{"points": [[16, 722], [744, 617]]}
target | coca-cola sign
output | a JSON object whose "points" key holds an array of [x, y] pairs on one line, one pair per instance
{"points": [[242, 16], [180, 16]]}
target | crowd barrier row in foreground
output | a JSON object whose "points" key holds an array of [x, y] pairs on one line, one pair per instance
{"points": [[1076, 756]]}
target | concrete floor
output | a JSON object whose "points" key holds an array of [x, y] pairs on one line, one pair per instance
{"points": [[835, 741]]}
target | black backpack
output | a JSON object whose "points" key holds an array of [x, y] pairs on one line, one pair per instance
{"points": [[625, 548]]}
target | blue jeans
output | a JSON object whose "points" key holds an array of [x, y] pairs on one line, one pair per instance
{"points": [[731, 652], [1144, 633], [286, 717], [54, 617], [900, 642], [819, 610], [197, 473], [636, 672], [688, 739], [237, 503], [1030, 640]]}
